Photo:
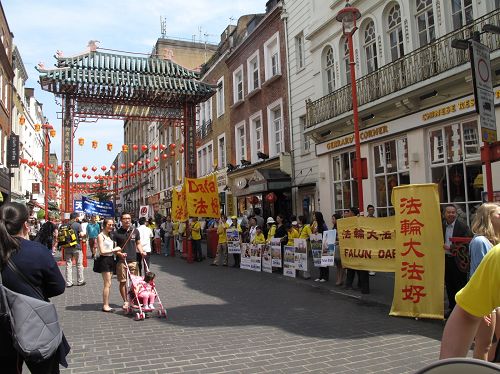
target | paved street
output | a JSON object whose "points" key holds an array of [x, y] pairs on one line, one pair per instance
{"points": [[231, 320]]}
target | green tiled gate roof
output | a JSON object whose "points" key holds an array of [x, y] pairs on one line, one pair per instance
{"points": [[114, 77]]}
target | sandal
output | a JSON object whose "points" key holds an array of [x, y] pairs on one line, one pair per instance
{"points": [[108, 310], [125, 305]]}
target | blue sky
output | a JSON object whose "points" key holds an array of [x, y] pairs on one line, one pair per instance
{"points": [[41, 28]]}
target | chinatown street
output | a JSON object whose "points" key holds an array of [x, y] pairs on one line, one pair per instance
{"points": [[222, 319]]}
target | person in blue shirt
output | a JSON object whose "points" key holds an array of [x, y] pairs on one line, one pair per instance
{"points": [[93, 230]]}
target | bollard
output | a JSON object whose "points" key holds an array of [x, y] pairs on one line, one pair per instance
{"points": [[172, 246], [190, 251], [84, 253]]}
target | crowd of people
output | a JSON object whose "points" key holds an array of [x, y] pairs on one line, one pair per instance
{"points": [[121, 246]]}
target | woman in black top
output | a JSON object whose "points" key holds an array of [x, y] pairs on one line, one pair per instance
{"points": [[39, 266], [324, 271]]}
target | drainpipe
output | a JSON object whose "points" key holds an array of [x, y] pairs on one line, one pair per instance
{"points": [[284, 17]]}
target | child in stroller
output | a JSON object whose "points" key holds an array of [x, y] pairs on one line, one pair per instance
{"points": [[144, 289]]}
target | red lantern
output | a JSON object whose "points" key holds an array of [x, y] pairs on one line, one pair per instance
{"points": [[112, 167], [94, 168], [123, 166], [162, 147], [51, 166], [172, 146], [144, 147], [94, 144], [125, 148], [103, 168], [164, 156], [147, 161], [172, 153], [271, 197], [84, 175], [109, 146], [59, 167], [85, 168], [77, 175], [154, 147], [181, 149], [88, 176], [139, 163], [131, 165], [156, 159], [135, 147], [81, 141], [40, 165], [23, 161], [52, 133]]}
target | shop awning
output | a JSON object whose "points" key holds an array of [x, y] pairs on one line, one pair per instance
{"points": [[264, 180]]}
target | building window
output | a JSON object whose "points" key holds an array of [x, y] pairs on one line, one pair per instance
{"points": [[221, 151], [344, 185], [256, 136], [272, 57], [329, 70], [370, 46], [425, 22], [253, 72], [275, 129], [456, 168], [299, 51], [1, 86], [306, 142], [395, 33], [240, 148], [461, 13], [238, 84], [347, 65], [391, 169], [220, 97]]}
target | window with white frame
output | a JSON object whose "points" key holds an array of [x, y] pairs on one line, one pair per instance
{"points": [[275, 128], [455, 159], [253, 72], [238, 84], [272, 56], [370, 47], [425, 22], [256, 136], [178, 170], [199, 165], [219, 96], [329, 70], [347, 65], [299, 51], [461, 13], [221, 151], [306, 142], [344, 185], [208, 110], [395, 32], [391, 169], [240, 137]]}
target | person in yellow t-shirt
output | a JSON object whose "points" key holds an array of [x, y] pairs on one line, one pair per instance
{"points": [[259, 236], [292, 233], [304, 229], [222, 241], [196, 238], [477, 299], [271, 228]]}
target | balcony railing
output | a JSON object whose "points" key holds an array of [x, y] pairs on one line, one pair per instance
{"points": [[421, 64], [204, 130]]}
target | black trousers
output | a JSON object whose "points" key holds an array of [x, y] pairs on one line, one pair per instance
{"points": [[197, 254], [454, 279], [363, 279], [237, 259], [324, 272]]}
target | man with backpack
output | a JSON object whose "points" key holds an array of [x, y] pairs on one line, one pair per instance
{"points": [[69, 236]]}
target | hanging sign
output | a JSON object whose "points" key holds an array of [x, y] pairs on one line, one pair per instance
{"points": [[13, 151], [102, 208]]}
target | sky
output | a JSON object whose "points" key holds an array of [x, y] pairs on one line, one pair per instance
{"points": [[41, 28]]}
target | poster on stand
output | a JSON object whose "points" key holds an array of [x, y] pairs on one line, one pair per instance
{"points": [[316, 244], [276, 252], [266, 259], [289, 256], [300, 254], [255, 256], [289, 271], [233, 241], [328, 249], [246, 260]]}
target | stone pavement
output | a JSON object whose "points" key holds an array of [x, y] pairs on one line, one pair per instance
{"points": [[231, 320]]}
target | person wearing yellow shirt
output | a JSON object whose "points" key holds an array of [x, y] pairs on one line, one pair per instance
{"points": [[304, 229], [272, 228], [259, 236], [222, 241], [292, 233], [196, 238]]}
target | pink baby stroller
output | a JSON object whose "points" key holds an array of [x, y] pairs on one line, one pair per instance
{"points": [[142, 311]]}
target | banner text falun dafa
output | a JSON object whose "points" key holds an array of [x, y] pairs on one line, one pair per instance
{"points": [[196, 197]]}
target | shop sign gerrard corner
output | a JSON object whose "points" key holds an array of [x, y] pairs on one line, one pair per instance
{"points": [[484, 88]]}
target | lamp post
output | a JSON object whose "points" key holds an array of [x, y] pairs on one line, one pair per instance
{"points": [[47, 127], [348, 16]]}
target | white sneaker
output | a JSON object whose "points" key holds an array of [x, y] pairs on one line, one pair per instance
{"points": [[371, 273], [317, 280], [322, 280]]}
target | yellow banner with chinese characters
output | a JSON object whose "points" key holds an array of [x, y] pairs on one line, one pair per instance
{"points": [[179, 207], [367, 243], [202, 197], [419, 278]]}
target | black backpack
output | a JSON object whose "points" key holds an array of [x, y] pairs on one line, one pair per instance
{"points": [[67, 236]]}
